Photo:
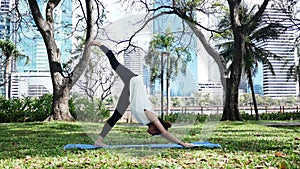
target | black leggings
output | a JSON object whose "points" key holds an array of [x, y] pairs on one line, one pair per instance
{"points": [[123, 102]]}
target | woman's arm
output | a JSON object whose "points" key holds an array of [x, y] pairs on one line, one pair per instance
{"points": [[165, 134]]}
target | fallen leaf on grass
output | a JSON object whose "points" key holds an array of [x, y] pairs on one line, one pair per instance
{"points": [[27, 158], [203, 160], [279, 154], [17, 167], [281, 166], [257, 134], [296, 151], [248, 162], [259, 166]]}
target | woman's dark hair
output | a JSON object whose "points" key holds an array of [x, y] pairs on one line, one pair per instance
{"points": [[166, 124]]}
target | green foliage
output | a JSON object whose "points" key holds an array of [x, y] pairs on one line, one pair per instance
{"points": [[72, 108], [88, 111], [197, 118], [177, 56], [274, 116], [9, 50], [255, 34], [194, 118], [27, 109]]}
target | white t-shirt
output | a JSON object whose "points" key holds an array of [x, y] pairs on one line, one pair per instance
{"points": [[139, 100]]}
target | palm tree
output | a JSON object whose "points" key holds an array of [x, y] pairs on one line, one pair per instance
{"points": [[177, 55], [259, 32], [9, 52]]}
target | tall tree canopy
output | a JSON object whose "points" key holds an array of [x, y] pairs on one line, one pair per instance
{"points": [[167, 55]]}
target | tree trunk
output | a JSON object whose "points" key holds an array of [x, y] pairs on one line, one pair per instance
{"points": [[253, 95], [60, 103], [168, 95], [168, 76], [5, 74], [231, 110]]}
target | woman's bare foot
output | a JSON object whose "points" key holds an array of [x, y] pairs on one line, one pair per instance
{"points": [[99, 142]]}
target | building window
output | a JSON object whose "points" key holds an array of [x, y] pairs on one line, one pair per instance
{"points": [[37, 90]]}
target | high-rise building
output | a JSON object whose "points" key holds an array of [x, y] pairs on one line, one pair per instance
{"points": [[29, 84], [5, 29], [281, 84], [135, 61], [33, 46], [4, 19], [4, 6]]}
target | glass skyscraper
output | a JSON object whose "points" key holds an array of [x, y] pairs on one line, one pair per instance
{"points": [[184, 84], [5, 29], [4, 19], [281, 84], [33, 46]]}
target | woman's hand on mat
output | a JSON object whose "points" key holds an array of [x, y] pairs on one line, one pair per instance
{"points": [[186, 144], [95, 43]]}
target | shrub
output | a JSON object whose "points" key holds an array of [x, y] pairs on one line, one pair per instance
{"points": [[191, 117], [88, 111], [273, 116], [27, 109]]}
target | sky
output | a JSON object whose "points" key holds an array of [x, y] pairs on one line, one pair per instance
{"points": [[116, 10]]}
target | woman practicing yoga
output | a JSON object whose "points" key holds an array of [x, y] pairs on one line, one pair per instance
{"points": [[134, 94]]}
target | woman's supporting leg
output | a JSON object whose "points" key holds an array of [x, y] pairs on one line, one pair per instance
{"points": [[122, 105]]}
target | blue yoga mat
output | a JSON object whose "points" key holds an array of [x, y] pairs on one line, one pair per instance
{"points": [[89, 146]]}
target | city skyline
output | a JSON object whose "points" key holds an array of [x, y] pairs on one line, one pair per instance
{"points": [[204, 71]]}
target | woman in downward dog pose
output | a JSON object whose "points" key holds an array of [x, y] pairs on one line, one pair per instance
{"points": [[134, 94]]}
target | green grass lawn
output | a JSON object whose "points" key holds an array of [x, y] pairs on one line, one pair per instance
{"points": [[244, 145]]}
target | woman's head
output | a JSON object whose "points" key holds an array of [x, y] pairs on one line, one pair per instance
{"points": [[153, 130]]}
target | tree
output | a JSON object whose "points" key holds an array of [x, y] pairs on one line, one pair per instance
{"points": [[240, 32], [61, 82], [254, 54], [97, 78], [187, 11], [176, 56], [9, 52]]}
